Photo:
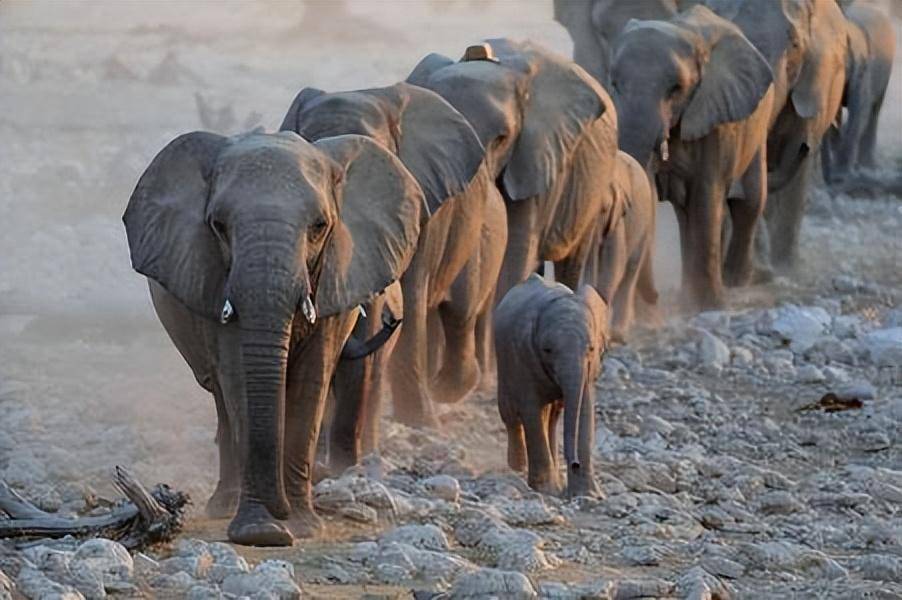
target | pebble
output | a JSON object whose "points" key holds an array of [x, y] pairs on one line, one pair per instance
{"points": [[494, 583]]}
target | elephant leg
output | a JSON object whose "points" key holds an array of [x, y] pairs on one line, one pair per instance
{"points": [[460, 372], [409, 363], [571, 269], [521, 257], [224, 501], [702, 282], [541, 476], [310, 369], [436, 335], [554, 413], [613, 258], [783, 213], [485, 355], [744, 214], [624, 302], [867, 149], [372, 408], [851, 136], [352, 392], [491, 253], [516, 444]]}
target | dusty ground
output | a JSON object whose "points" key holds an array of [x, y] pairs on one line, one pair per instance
{"points": [[703, 454]]}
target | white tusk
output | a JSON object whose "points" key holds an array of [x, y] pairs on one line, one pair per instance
{"points": [[227, 312], [665, 151], [362, 311], [309, 310]]}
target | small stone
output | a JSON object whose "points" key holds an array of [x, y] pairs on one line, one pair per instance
{"points": [[204, 592], [741, 357], [178, 583], [646, 556], [712, 352], [810, 374], [835, 374], [34, 584], [861, 390], [698, 584], [425, 537], [272, 577], [358, 512], [106, 557], [630, 589], [722, 567], [197, 566], [885, 491], [444, 487], [880, 567], [614, 370], [145, 566], [493, 583], [778, 503], [884, 346]]}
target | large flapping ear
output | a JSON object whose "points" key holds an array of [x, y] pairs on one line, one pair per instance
{"points": [[733, 81], [425, 68], [437, 145], [379, 225], [563, 101], [598, 308], [290, 122], [165, 221]]}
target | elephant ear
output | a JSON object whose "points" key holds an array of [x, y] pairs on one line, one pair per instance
{"points": [[733, 80], [425, 68], [290, 122], [437, 145], [598, 309], [165, 222], [563, 101], [376, 235]]}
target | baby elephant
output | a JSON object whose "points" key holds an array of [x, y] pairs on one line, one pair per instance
{"points": [[549, 343]]}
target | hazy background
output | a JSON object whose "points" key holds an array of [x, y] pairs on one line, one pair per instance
{"points": [[89, 92]]}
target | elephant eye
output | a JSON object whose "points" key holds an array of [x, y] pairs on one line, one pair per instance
{"points": [[546, 350], [318, 228], [674, 90], [220, 229]]}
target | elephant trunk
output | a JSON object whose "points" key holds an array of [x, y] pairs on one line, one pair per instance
{"points": [[640, 131], [573, 385], [790, 163]]}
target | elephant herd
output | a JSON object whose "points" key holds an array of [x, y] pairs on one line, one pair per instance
{"points": [[386, 240]]}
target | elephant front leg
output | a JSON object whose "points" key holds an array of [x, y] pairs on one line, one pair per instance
{"points": [[310, 370], [613, 255], [745, 213], [224, 501], [542, 475], [701, 235], [783, 214]]}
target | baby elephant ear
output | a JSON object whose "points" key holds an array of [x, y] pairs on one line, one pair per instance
{"points": [[426, 67], [290, 122], [379, 226], [165, 222], [598, 308]]}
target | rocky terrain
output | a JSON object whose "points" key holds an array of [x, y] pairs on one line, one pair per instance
{"points": [[754, 452]]}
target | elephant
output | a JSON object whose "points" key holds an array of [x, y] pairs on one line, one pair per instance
{"points": [[460, 249], [869, 63], [804, 42], [550, 133], [549, 342], [258, 250], [625, 242], [693, 99], [594, 25]]}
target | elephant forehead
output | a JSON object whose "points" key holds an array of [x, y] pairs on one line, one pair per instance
{"points": [[366, 112], [273, 161]]}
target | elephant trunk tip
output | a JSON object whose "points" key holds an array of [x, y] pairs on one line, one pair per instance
{"points": [[574, 466]]}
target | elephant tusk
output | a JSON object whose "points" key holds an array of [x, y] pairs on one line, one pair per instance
{"points": [[309, 310], [362, 311], [665, 151], [227, 312]]}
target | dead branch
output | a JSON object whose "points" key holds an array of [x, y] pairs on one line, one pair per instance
{"points": [[144, 519]]}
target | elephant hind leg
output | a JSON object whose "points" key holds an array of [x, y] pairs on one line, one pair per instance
{"points": [[516, 447], [224, 501], [867, 151], [625, 299], [459, 373]]}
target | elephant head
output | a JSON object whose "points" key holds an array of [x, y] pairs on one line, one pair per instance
{"points": [[432, 139], [570, 336], [683, 77], [529, 107], [268, 233]]}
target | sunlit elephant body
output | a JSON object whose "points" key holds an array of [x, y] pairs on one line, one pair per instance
{"points": [[550, 133], [869, 64], [460, 248], [694, 98], [259, 249], [549, 344], [804, 42], [621, 264]]}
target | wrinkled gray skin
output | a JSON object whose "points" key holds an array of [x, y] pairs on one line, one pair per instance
{"points": [[693, 99], [549, 343], [869, 63], [549, 131], [623, 262], [259, 248], [804, 42], [460, 248]]}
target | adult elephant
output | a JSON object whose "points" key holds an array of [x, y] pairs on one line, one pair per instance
{"points": [[869, 63], [804, 42], [594, 25], [259, 248], [694, 98], [550, 133], [460, 249]]}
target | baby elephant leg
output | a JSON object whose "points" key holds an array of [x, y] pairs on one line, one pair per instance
{"points": [[542, 475]]}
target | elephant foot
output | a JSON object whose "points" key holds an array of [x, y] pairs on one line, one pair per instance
{"points": [[452, 387], [255, 526], [550, 486], [223, 503], [583, 486], [762, 275], [305, 523], [737, 278]]}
